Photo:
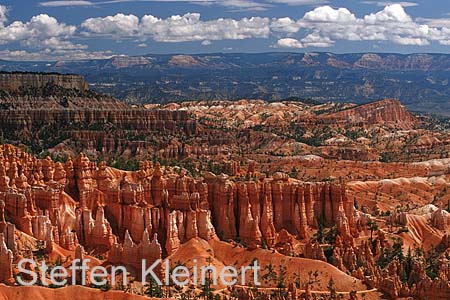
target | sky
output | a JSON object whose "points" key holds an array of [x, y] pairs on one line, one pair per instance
{"points": [[87, 29]]}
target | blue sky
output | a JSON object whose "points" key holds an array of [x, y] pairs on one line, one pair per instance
{"points": [[55, 30]]}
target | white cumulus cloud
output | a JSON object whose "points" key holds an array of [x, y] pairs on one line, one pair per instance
{"points": [[327, 14], [285, 24], [311, 40], [188, 27], [42, 38], [37, 29], [328, 25], [119, 24], [289, 43]]}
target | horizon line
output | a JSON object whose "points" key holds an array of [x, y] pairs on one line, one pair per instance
{"points": [[232, 53]]}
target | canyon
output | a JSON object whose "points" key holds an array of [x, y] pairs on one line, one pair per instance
{"points": [[333, 200]]}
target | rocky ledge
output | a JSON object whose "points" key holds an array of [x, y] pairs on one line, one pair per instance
{"points": [[17, 80]]}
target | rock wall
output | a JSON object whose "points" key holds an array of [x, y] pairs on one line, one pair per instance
{"points": [[174, 206], [129, 119], [6, 258], [16, 81], [43, 110], [259, 209], [130, 254], [109, 210], [85, 129]]}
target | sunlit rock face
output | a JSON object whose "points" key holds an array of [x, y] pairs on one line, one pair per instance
{"points": [[81, 202], [269, 205]]}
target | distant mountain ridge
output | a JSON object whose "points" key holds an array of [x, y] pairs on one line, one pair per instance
{"points": [[420, 81]]}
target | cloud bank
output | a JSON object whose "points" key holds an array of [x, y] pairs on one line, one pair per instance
{"points": [[320, 27], [324, 26], [185, 28]]}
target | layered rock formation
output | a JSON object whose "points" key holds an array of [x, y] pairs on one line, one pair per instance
{"points": [[174, 207], [43, 110], [262, 208], [440, 219], [382, 265], [132, 255], [387, 112], [128, 206], [129, 119], [94, 233], [6, 258], [7, 246], [16, 81], [181, 205]]}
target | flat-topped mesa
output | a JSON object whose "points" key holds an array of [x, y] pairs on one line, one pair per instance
{"points": [[17, 80]]}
